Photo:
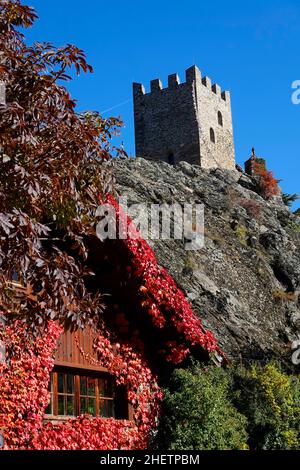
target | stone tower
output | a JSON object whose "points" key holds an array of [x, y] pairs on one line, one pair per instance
{"points": [[188, 121]]}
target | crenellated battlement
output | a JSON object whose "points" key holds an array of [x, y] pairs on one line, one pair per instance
{"points": [[189, 121], [173, 80], [192, 75], [138, 89]]}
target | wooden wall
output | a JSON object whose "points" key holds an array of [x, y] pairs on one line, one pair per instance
{"points": [[68, 353]]}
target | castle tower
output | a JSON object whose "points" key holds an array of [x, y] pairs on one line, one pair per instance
{"points": [[191, 121]]}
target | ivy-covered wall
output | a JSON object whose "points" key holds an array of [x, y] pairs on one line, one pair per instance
{"points": [[29, 360]]}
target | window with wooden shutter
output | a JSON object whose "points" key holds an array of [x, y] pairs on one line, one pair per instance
{"points": [[79, 385]]}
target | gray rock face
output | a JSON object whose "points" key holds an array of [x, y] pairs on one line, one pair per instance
{"points": [[245, 282]]}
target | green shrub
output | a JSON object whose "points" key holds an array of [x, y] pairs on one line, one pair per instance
{"points": [[241, 233], [239, 408], [295, 227], [270, 400], [197, 413], [289, 199]]}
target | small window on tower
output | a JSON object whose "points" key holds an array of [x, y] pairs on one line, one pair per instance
{"points": [[171, 158], [212, 135], [220, 118]]}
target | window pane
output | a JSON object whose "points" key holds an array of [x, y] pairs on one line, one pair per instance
{"points": [[83, 387], [107, 408], [83, 405], [70, 406], [105, 387], [92, 406], [91, 386], [61, 407], [60, 383], [70, 383], [66, 396]]}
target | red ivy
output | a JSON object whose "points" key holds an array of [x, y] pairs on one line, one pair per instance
{"points": [[24, 396], [24, 376], [164, 301], [269, 184]]}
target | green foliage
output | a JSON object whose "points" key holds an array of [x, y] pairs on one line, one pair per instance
{"points": [[294, 226], [241, 233], [189, 263], [270, 400], [239, 408], [197, 413], [289, 199]]}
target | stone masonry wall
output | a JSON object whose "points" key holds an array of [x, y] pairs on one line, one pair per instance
{"points": [[211, 101], [173, 124], [166, 122]]}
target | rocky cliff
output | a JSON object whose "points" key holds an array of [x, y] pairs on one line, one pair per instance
{"points": [[245, 282]]}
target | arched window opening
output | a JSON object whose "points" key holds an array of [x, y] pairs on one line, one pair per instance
{"points": [[220, 118], [171, 158], [212, 135]]}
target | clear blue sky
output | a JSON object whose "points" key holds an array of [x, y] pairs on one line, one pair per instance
{"points": [[250, 48]]}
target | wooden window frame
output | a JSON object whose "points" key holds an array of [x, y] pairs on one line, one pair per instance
{"points": [[77, 373]]}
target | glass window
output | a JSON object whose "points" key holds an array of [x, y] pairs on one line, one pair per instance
{"points": [[74, 393], [106, 396], [88, 395], [65, 394]]}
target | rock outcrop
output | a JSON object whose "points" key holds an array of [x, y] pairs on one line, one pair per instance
{"points": [[245, 282]]}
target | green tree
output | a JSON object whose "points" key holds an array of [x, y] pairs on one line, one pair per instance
{"points": [[289, 199], [197, 412], [270, 400]]}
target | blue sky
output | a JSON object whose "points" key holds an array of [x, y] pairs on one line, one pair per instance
{"points": [[250, 48]]}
